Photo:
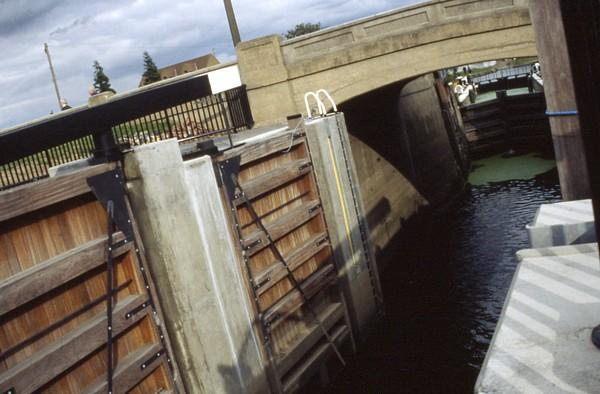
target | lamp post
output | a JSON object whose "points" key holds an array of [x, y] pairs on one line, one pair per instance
{"points": [[235, 33], [60, 104]]}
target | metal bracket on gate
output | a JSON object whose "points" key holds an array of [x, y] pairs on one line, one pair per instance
{"points": [[305, 165], [321, 241], [272, 319], [262, 283], [228, 168], [149, 361], [109, 186], [136, 310], [253, 244], [311, 210]]}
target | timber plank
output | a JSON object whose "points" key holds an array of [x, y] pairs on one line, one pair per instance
{"points": [[274, 179], [54, 359], [257, 150], [33, 196], [314, 361], [269, 277], [129, 371], [33, 282], [293, 300], [257, 240], [328, 317]]}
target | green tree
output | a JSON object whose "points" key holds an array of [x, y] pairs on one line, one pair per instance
{"points": [[302, 28], [151, 73], [101, 81]]}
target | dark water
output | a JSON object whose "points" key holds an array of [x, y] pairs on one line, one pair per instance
{"points": [[444, 286]]}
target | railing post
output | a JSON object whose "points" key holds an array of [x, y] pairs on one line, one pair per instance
{"points": [[106, 148], [245, 104]]}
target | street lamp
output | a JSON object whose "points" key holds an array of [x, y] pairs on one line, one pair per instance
{"points": [[235, 33]]}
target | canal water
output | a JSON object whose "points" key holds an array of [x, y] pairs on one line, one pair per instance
{"points": [[445, 281]]}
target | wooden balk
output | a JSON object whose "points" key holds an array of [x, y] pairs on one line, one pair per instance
{"points": [[71, 348], [328, 317], [257, 150], [257, 240], [30, 197], [274, 179], [271, 275], [33, 282], [293, 300], [301, 374], [131, 370]]}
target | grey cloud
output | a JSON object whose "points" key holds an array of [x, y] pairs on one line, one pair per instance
{"points": [[79, 22], [17, 15]]}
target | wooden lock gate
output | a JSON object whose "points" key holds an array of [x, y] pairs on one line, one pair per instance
{"points": [[276, 214], [58, 326]]}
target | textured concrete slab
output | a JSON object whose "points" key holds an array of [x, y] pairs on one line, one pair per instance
{"points": [[542, 341], [563, 223]]}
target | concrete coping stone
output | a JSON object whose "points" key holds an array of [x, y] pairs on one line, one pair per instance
{"points": [[189, 146], [562, 223], [564, 250], [542, 342], [561, 213]]}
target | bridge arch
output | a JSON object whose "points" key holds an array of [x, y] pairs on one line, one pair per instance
{"points": [[360, 56]]}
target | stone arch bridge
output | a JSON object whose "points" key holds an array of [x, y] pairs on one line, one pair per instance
{"points": [[363, 55]]}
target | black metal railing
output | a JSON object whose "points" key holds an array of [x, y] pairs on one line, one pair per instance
{"points": [[197, 115], [220, 113], [36, 166], [519, 71]]}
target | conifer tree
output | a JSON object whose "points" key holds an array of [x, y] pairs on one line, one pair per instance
{"points": [[151, 73], [301, 29], [101, 81]]}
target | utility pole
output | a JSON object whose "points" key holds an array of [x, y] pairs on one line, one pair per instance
{"points": [[53, 75], [235, 33]]}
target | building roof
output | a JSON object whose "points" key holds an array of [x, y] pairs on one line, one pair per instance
{"points": [[186, 66]]}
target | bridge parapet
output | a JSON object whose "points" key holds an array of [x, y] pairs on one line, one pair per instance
{"points": [[363, 55], [400, 21]]}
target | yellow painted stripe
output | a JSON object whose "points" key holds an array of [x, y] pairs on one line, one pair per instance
{"points": [[341, 198]]}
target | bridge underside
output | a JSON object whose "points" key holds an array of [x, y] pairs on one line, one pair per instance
{"points": [[405, 153]]}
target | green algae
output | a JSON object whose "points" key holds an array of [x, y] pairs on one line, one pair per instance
{"points": [[501, 168]]}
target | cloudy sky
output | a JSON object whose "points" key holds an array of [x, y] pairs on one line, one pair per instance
{"points": [[116, 32]]}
